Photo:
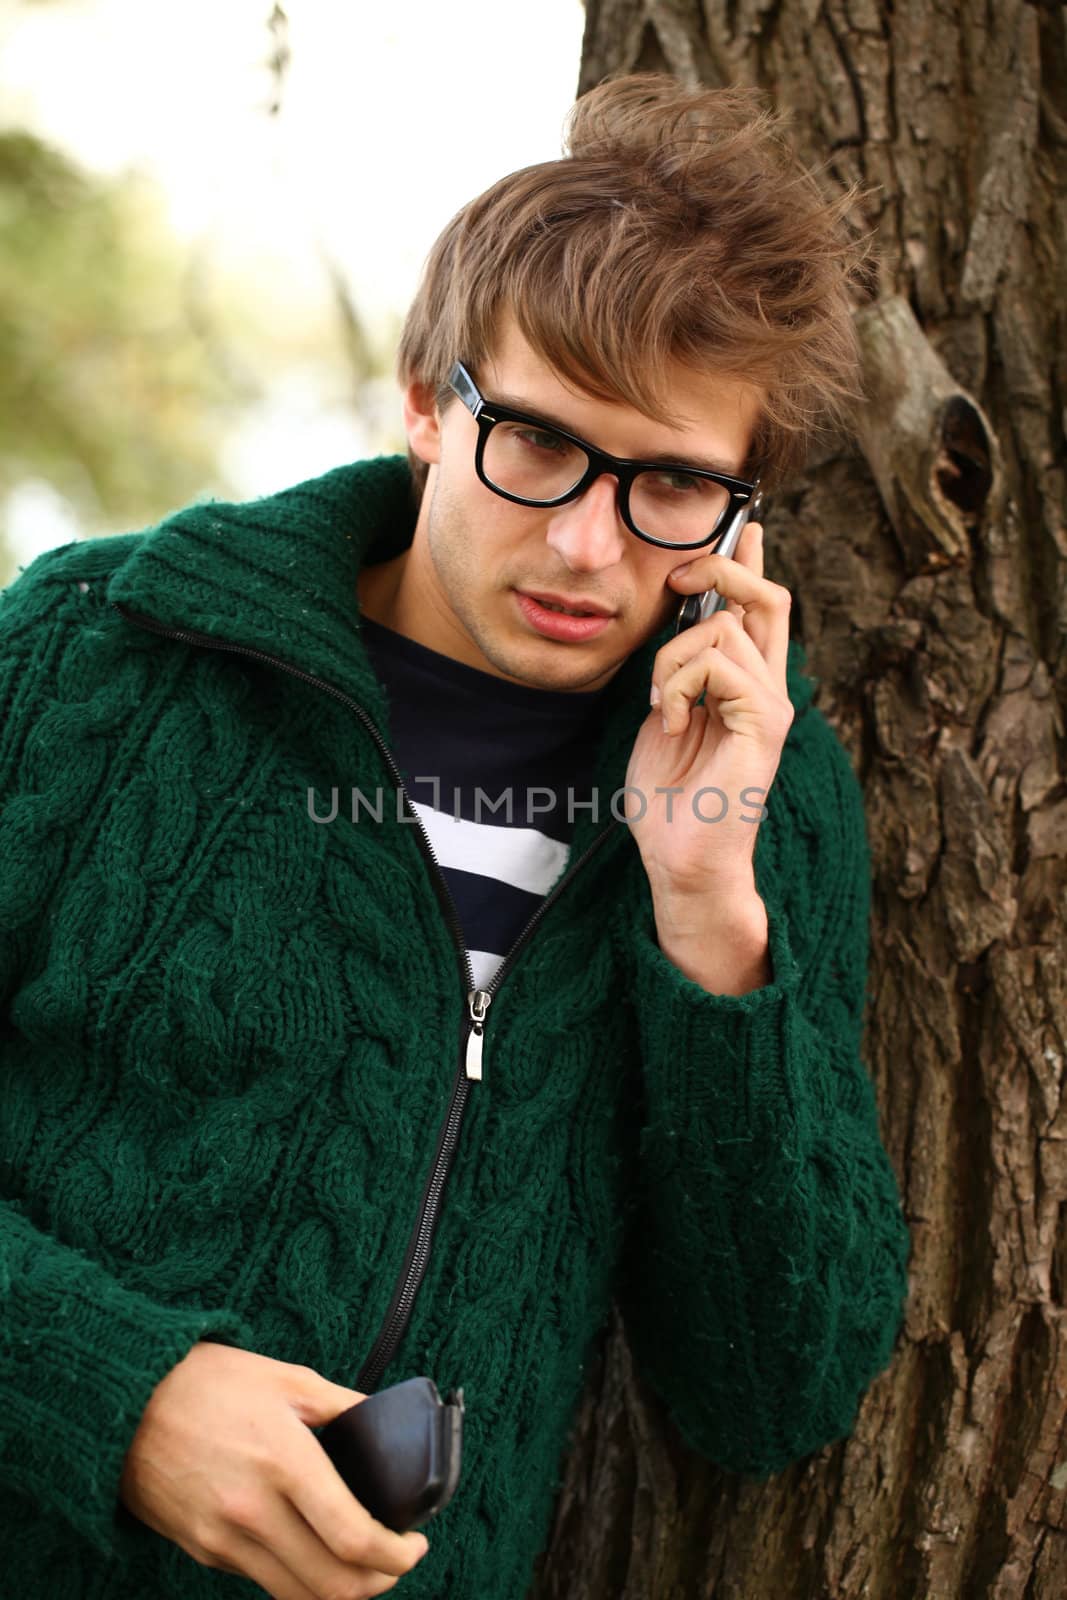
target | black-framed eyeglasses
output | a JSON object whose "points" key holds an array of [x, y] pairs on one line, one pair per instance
{"points": [[535, 463]]}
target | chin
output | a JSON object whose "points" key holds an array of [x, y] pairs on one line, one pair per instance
{"points": [[571, 673]]}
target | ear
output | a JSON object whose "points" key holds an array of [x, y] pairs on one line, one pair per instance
{"points": [[422, 421]]}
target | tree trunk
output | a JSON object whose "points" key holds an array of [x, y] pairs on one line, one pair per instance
{"points": [[927, 571]]}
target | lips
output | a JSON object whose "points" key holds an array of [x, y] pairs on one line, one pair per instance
{"points": [[560, 626], [577, 605]]}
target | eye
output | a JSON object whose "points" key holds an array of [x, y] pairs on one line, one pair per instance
{"points": [[675, 483], [539, 439]]}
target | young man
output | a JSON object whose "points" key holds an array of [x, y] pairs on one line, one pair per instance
{"points": [[302, 1097]]}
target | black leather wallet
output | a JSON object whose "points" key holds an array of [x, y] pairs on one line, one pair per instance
{"points": [[399, 1451]]}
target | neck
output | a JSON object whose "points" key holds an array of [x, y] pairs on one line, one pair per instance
{"points": [[378, 588], [396, 594]]}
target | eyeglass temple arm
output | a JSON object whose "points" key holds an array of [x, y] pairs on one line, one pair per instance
{"points": [[462, 382]]}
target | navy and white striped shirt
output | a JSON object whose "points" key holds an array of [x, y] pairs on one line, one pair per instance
{"points": [[498, 773]]}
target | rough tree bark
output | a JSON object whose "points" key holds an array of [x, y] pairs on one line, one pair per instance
{"points": [[928, 575]]}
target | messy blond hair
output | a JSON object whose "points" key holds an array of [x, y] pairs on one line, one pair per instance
{"points": [[679, 226]]}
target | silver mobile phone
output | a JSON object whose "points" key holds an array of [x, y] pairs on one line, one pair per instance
{"points": [[698, 607]]}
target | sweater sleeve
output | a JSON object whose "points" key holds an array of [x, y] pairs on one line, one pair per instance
{"points": [[79, 1353], [765, 1265]]}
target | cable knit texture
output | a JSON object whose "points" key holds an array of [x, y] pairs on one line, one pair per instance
{"points": [[228, 1036]]}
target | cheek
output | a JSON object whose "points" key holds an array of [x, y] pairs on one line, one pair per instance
{"points": [[467, 545], [660, 602], [666, 610], [444, 537]]}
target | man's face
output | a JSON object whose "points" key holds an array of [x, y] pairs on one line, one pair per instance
{"points": [[477, 559]]}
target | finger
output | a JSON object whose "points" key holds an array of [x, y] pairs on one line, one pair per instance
{"points": [[255, 1561], [722, 629], [755, 531], [739, 699], [749, 553], [247, 1558], [286, 1538], [765, 605], [329, 1508], [743, 554]]}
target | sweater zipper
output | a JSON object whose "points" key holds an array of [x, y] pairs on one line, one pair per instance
{"points": [[470, 1065]]}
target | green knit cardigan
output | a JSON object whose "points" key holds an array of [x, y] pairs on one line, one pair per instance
{"points": [[228, 1035]]}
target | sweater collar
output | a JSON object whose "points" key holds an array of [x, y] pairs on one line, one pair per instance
{"points": [[279, 574]]}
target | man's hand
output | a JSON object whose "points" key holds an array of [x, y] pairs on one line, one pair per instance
{"points": [[225, 1465], [701, 838], [699, 775]]}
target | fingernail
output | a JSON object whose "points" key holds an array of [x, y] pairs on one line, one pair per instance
{"points": [[677, 571], [654, 697], [666, 727]]}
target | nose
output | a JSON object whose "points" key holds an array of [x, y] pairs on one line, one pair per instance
{"points": [[588, 532]]}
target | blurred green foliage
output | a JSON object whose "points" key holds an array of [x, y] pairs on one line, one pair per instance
{"points": [[112, 387]]}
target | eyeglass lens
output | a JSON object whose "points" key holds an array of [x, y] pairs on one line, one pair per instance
{"points": [[538, 464]]}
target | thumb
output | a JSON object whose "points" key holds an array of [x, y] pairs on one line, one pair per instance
{"points": [[317, 1401]]}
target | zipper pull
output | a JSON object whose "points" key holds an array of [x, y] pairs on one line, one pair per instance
{"points": [[478, 1002]]}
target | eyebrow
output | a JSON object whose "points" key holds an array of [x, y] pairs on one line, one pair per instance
{"points": [[511, 402]]}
